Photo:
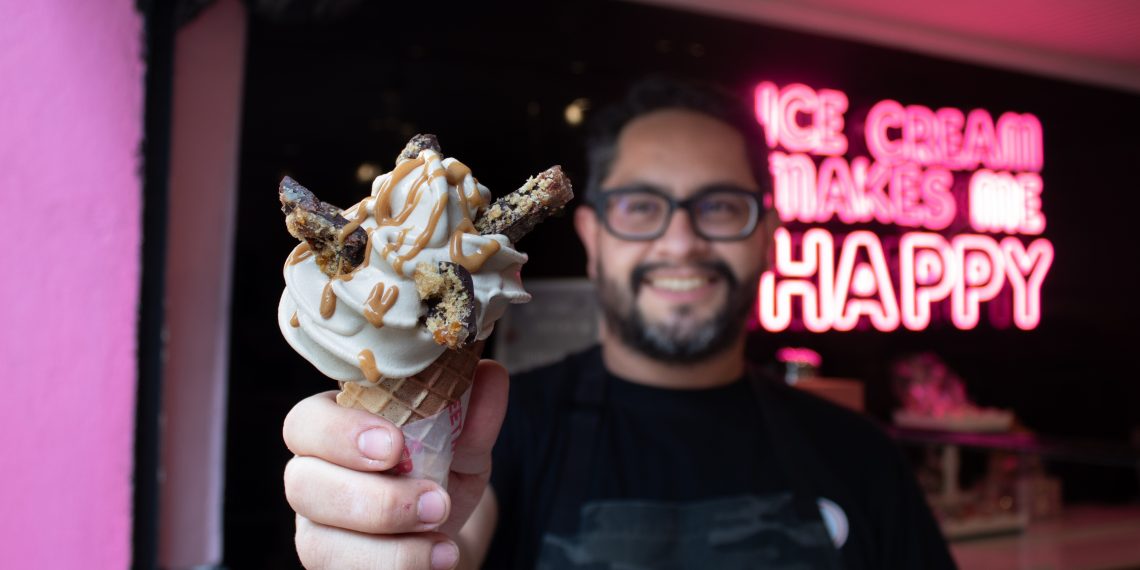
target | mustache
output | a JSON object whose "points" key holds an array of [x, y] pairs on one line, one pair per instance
{"points": [[637, 276]]}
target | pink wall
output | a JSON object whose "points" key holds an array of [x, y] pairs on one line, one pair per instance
{"points": [[71, 104], [209, 57]]}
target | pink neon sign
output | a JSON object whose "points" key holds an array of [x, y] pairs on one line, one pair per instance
{"points": [[783, 111], [837, 282]]}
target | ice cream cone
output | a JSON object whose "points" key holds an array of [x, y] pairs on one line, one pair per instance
{"points": [[426, 259], [405, 400]]}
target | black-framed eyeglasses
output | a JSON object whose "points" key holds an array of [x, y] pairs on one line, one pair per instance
{"points": [[718, 213]]}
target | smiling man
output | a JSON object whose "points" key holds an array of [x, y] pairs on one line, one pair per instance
{"points": [[658, 448], [673, 244]]}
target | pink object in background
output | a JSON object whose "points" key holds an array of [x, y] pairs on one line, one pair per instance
{"points": [[925, 385], [799, 355], [71, 113]]}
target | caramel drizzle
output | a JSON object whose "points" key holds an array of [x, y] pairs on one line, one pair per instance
{"points": [[293, 322], [382, 207], [379, 302], [367, 252], [361, 215], [382, 210], [474, 261], [412, 200], [422, 240], [464, 203], [394, 245], [456, 172], [367, 363], [475, 199], [466, 227], [417, 188], [328, 301], [299, 254]]}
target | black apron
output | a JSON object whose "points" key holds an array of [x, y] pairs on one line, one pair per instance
{"points": [[624, 535]]}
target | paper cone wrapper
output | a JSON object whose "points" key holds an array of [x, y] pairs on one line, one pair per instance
{"points": [[430, 408]]}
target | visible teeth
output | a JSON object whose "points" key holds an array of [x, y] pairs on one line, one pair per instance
{"points": [[678, 284]]}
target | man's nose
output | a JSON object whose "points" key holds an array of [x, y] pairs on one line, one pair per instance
{"points": [[680, 240]]}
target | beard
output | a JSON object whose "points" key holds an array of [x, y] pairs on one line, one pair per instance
{"points": [[679, 339]]}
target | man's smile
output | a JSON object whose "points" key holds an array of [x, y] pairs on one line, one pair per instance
{"points": [[689, 283], [678, 284], [681, 287]]}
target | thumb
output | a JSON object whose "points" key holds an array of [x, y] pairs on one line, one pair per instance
{"points": [[485, 413]]}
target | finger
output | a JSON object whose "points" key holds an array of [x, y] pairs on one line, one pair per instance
{"points": [[365, 502], [323, 547], [485, 414], [319, 427]]}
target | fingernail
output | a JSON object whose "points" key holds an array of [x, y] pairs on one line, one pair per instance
{"points": [[376, 444], [444, 555], [431, 507]]}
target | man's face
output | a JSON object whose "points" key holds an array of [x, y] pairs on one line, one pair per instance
{"points": [[678, 297]]}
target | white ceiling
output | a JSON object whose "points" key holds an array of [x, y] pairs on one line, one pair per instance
{"points": [[1091, 41]]}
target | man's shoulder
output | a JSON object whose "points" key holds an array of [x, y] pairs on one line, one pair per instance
{"points": [[562, 370], [549, 382], [831, 428]]}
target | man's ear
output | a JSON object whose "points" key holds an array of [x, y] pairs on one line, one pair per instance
{"points": [[586, 224]]}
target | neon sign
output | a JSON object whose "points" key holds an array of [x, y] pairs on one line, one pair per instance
{"points": [[840, 282]]}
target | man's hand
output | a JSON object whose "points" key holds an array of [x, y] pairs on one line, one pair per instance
{"points": [[352, 516]]}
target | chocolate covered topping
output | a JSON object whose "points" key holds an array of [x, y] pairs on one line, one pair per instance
{"points": [[338, 249]]}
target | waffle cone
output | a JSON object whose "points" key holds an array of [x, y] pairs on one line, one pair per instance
{"points": [[406, 400]]}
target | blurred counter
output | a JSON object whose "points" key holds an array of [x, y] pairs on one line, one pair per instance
{"points": [[1083, 537]]}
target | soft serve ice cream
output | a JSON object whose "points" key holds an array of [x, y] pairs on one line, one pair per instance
{"points": [[393, 296], [367, 323]]}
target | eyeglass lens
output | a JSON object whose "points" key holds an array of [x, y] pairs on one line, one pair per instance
{"points": [[715, 214]]}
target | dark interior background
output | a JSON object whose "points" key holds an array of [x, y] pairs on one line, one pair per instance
{"points": [[324, 95]]}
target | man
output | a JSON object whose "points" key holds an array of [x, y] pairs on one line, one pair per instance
{"points": [[659, 449]]}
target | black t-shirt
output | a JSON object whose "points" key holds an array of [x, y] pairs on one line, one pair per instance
{"points": [[660, 444], [699, 478]]}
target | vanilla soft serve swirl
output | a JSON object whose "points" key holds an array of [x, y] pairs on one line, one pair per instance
{"points": [[356, 325]]}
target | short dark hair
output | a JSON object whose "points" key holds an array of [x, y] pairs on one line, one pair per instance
{"points": [[657, 93]]}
